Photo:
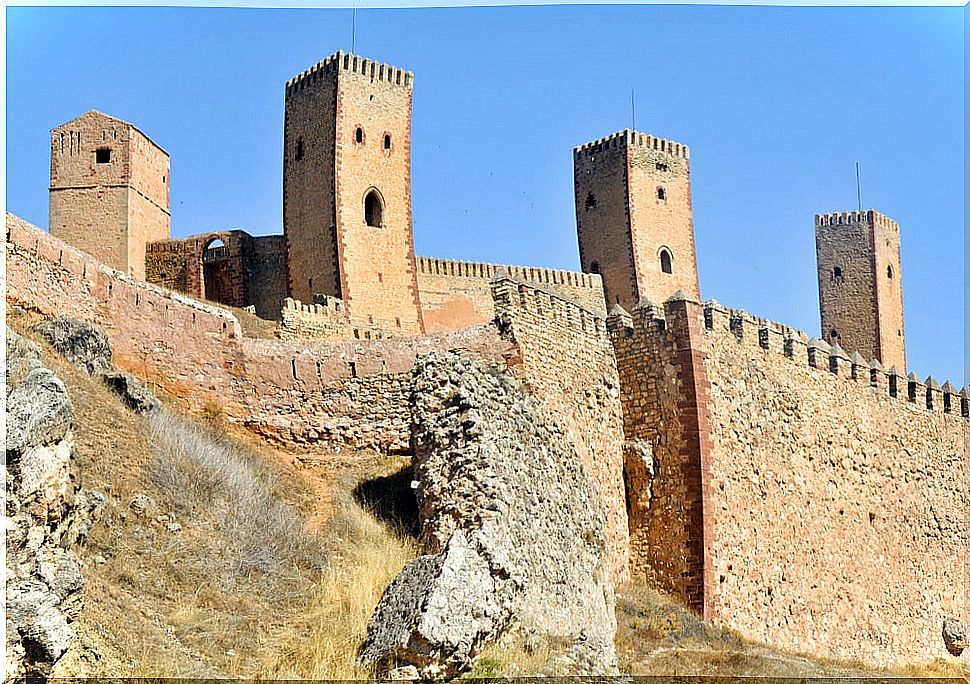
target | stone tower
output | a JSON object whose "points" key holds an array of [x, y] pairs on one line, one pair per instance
{"points": [[347, 190], [634, 218], [109, 192], [860, 284]]}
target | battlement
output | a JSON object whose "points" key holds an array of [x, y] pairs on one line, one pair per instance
{"points": [[345, 61], [514, 296], [870, 217], [628, 137], [325, 319], [472, 269], [773, 337]]}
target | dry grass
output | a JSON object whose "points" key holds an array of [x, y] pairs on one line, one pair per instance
{"points": [[211, 477], [322, 642]]}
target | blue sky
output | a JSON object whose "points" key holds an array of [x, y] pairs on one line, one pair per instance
{"points": [[777, 105]]}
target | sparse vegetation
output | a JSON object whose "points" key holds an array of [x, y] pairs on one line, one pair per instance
{"points": [[322, 642], [210, 477]]}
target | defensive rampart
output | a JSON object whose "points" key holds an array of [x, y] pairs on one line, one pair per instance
{"points": [[810, 499], [353, 393], [456, 294], [566, 360]]}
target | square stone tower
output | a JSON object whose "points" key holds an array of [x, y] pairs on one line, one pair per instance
{"points": [[634, 217], [109, 192], [347, 190], [860, 284]]}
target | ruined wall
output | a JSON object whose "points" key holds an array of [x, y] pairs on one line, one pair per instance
{"points": [[566, 360], [265, 261], [244, 271], [302, 393], [833, 512], [455, 294]]}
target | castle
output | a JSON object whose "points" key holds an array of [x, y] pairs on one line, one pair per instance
{"points": [[805, 491]]}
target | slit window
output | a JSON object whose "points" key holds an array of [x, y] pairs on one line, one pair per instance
{"points": [[666, 261], [102, 155], [359, 135], [387, 141], [590, 201], [837, 274], [373, 209], [889, 271], [661, 194], [299, 149]]}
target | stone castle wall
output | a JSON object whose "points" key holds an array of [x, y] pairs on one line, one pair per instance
{"points": [[566, 360], [353, 393], [456, 294], [832, 514]]}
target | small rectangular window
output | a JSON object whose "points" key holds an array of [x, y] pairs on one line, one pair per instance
{"points": [[102, 155]]}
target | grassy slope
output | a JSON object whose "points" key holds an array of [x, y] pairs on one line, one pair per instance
{"points": [[162, 603]]}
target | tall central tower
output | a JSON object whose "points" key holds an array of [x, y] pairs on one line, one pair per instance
{"points": [[634, 217], [347, 190]]}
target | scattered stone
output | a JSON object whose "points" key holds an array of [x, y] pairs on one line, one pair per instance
{"points": [[142, 505], [173, 527], [954, 636]]}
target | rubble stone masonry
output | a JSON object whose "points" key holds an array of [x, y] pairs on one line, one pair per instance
{"points": [[833, 514], [566, 360]]}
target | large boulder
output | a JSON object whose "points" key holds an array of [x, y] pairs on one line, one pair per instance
{"points": [[512, 526], [83, 344], [46, 515], [954, 636], [88, 347]]}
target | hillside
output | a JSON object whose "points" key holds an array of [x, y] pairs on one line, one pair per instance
{"points": [[217, 556]]}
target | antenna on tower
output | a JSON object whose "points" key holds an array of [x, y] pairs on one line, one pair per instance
{"points": [[353, 29], [633, 106], [858, 185]]}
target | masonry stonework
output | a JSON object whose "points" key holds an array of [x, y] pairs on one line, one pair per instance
{"points": [[860, 285], [634, 217], [347, 190], [456, 294], [109, 190], [808, 507]]}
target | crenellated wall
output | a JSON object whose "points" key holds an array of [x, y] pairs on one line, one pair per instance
{"points": [[299, 393], [820, 513], [455, 294], [566, 360]]}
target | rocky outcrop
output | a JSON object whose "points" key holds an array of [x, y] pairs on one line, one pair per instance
{"points": [[954, 636], [47, 513], [88, 347], [514, 531]]}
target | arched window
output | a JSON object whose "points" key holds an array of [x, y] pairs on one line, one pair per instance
{"points": [[837, 273], [661, 194], [387, 141], [359, 135], [373, 209], [590, 201], [666, 261], [834, 334], [889, 271]]}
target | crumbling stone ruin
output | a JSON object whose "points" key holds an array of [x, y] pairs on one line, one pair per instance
{"points": [[47, 514], [807, 491], [512, 523]]}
